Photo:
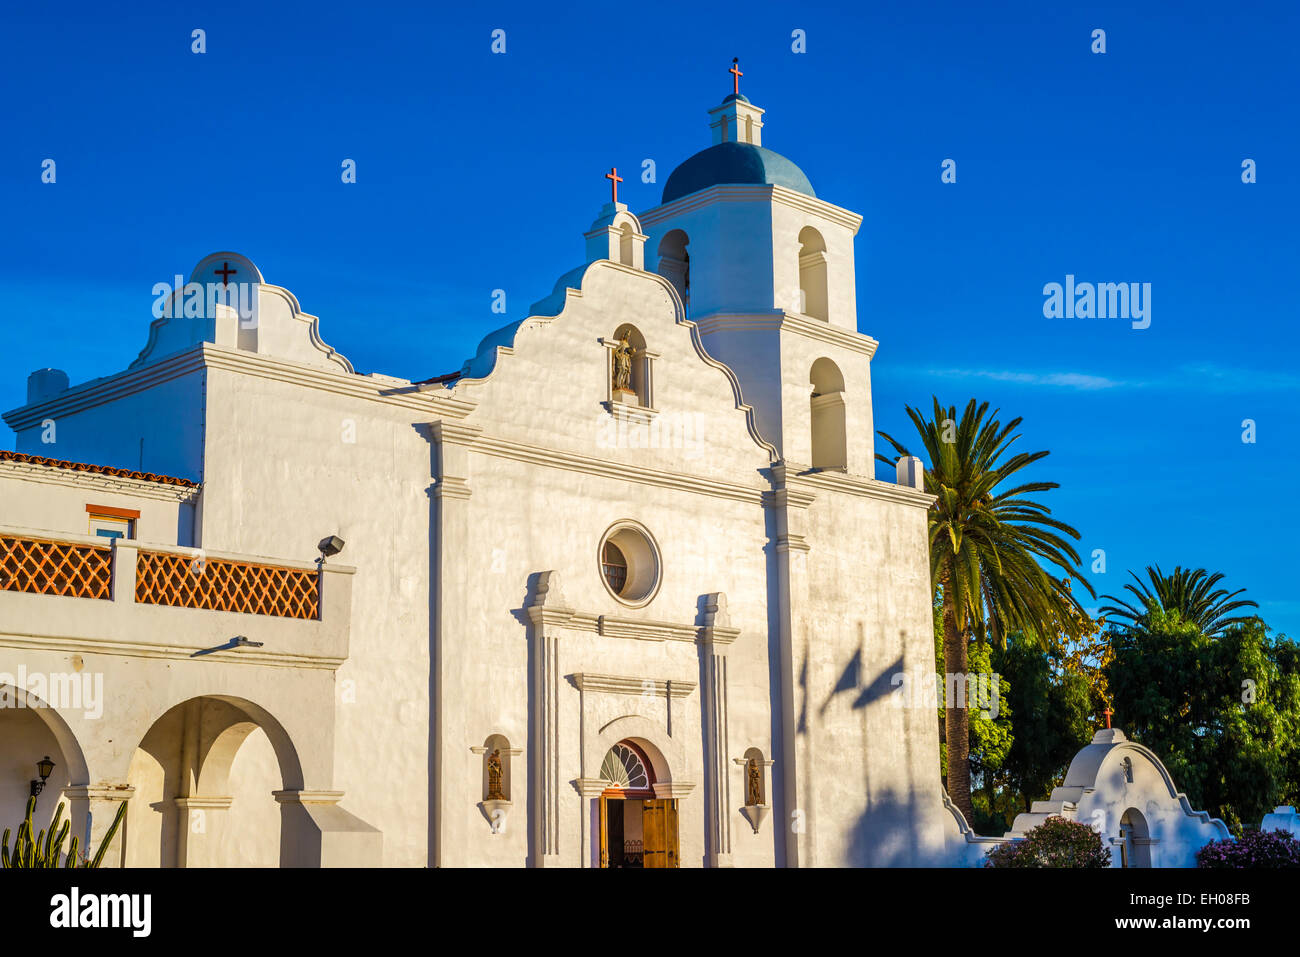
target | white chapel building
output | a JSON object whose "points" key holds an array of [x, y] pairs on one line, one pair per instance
{"points": [[622, 591]]}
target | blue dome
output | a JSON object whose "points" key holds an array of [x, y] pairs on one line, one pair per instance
{"points": [[742, 163]]}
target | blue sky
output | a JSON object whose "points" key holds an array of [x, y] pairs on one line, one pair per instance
{"points": [[1123, 166]]}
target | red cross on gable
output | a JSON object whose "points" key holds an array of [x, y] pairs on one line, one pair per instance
{"points": [[614, 180], [225, 272], [736, 74]]}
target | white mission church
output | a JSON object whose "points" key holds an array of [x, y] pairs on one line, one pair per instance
{"points": [[623, 591]]}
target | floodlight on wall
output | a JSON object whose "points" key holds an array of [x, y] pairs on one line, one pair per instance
{"points": [[329, 547], [44, 767]]}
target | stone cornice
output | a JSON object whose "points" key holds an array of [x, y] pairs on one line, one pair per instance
{"points": [[788, 322], [574, 462], [673, 789], [625, 684], [645, 629], [860, 486], [455, 433], [106, 389], [139, 488], [753, 193], [210, 356], [131, 649]]}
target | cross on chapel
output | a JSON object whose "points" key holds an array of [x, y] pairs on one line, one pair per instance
{"points": [[614, 180], [736, 74], [225, 272]]}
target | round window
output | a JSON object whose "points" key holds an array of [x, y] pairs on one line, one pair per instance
{"points": [[629, 563]]}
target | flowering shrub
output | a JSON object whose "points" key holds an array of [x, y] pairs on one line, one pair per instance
{"points": [[1255, 849], [1054, 843]]}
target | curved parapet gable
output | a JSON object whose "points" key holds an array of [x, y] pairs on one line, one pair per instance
{"points": [[569, 289], [226, 301], [1124, 791]]}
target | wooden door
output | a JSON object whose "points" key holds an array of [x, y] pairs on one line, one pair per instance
{"points": [[604, 831], [659, 833]]}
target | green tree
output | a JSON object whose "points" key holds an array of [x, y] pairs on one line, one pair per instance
{"points": [[1222, 713], [987, 540], [1052, 709], [1189, 592]]}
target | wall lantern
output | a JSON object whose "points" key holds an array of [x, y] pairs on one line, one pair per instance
{"points": [[44, 767]]}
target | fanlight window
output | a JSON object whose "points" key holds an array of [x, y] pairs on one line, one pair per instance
{"points": [[624, 769]]}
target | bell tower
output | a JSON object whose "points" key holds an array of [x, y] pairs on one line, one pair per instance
{"points": [[765, 269]]}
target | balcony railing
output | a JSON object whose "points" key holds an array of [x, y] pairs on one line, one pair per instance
{"points": [[163, 578], [55, 568], [83, 570]]}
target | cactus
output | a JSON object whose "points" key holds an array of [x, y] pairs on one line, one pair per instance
{"points": [[47, 848]]}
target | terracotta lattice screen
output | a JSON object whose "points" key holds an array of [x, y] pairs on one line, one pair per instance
{"points": [[55, 568], [220, 585]]}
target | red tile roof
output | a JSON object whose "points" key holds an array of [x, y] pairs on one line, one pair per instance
{"points": [[8, 456]]}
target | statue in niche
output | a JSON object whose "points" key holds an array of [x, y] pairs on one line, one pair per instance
{"points": [[495, 792], [623, 365], [753, 782]]}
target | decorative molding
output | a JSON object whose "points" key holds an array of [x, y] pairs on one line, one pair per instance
{"points": [[780, 321], [673, 789], [203, 802], [452, 487], [307, 796], [644, 629], [207, 355], [621, 471], [756, 814], [860, 486], [716, 633], [625, 684], [590, 787], [511, 752], [548, 607], [102, 792], [792, 543], [738, 193], [99, 482], [131, 649]]}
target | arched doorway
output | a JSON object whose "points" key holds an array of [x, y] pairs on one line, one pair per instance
{"points": [[1135, 840], [204, 775], [637, 828], [32, 729]]}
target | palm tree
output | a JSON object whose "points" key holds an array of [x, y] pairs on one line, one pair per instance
{"points": [[986, 544], [1189, 592]]}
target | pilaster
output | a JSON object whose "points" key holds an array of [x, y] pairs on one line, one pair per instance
{"points": [[789, 506], [449, 581], [716, 637], [548, 612]]}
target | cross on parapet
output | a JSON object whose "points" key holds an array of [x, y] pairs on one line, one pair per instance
{"points": [[614, 180], [225, 272]]}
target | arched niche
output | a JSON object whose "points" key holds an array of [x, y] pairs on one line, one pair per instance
{"points": [[497, 760], [827, 419], [640, 383], [813, 288], [1135, 839], [675, 262]]}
